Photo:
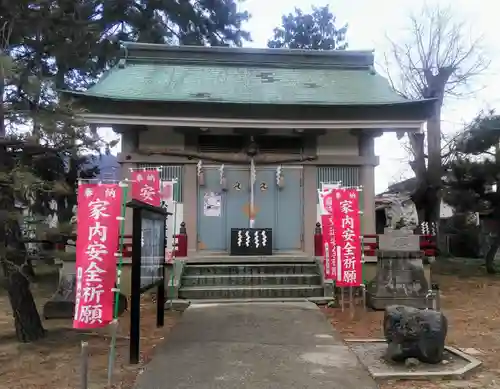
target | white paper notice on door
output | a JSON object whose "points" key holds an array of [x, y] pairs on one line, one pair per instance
{"points": [[212, 204]]}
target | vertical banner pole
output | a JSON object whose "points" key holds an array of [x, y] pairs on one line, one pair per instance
{"points": [[351, 302], [172, 276], [362, 241], [252, 193], [363, 294], [111, 360], [160, 294], [135, 298]]}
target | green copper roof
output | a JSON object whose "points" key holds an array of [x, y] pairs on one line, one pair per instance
{"points": [[254, 76], [258, 85]]}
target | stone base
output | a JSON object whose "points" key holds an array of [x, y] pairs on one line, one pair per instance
{"points": [[62, 304], [370, 352], [380, 303], [59, 308], [177, 305], [329, 289]]}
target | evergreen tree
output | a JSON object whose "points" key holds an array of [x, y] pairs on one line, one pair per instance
{"points": [[317, 30], [31, 173], [46, 47], [74, 40], [472, 182]]}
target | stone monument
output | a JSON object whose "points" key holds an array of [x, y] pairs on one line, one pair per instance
{"points": [[414, 333], [62, 304], [400, 278]]}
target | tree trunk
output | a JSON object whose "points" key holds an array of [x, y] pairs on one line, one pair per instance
{"points": [[427, 202], [434, 171], [426, 196], [26, 318], [27, 321], [492, 243], [28, 268], [489, 259]]}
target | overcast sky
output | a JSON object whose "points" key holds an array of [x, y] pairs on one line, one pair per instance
{"points": [[369, 22]]}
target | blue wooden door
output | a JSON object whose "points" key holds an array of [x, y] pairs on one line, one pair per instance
{"points": [[265, 199], [278, 208], [288, 234], [211, 228], [237, 200]]}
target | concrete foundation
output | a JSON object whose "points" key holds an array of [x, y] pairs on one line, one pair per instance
{"points": [[371, 351]]}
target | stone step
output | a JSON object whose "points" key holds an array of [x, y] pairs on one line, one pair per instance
{"points": [[246, 259], [248, 280], [250, 269], [245, 292], [322, 300]]}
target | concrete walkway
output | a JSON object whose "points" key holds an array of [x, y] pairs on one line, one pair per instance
{"points": [[254, 346]]}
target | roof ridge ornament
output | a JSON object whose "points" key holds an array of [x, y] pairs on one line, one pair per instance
{"points": [[247, 56]]}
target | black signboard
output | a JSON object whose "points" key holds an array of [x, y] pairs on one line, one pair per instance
{"points": [[251, 241], [148, 265]]}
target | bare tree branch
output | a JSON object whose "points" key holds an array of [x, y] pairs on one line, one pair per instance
{"points": [[434, 59]]}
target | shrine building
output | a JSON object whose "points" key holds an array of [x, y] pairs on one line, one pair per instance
{"points": [[202, 114]]}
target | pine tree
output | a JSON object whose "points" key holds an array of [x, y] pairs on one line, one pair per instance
{"points": [[29, 102], [317, 30], [46, 47], [31, 169], [473, 177]]}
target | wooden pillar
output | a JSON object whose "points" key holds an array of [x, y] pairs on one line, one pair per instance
{"points": [[366, 147]]}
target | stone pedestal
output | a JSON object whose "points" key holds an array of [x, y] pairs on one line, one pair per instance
{"points": [[62, 304], [399, 240], [400, 278]]}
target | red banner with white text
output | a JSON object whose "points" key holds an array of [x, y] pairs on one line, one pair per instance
{"points": [[345, 206], [329, 252], [98, 215], [146, 186]]}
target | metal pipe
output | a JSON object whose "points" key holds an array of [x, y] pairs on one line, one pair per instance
{"points": [[352, 308], [174, 247], [437, 297], [363, 292], [427, 296]]}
